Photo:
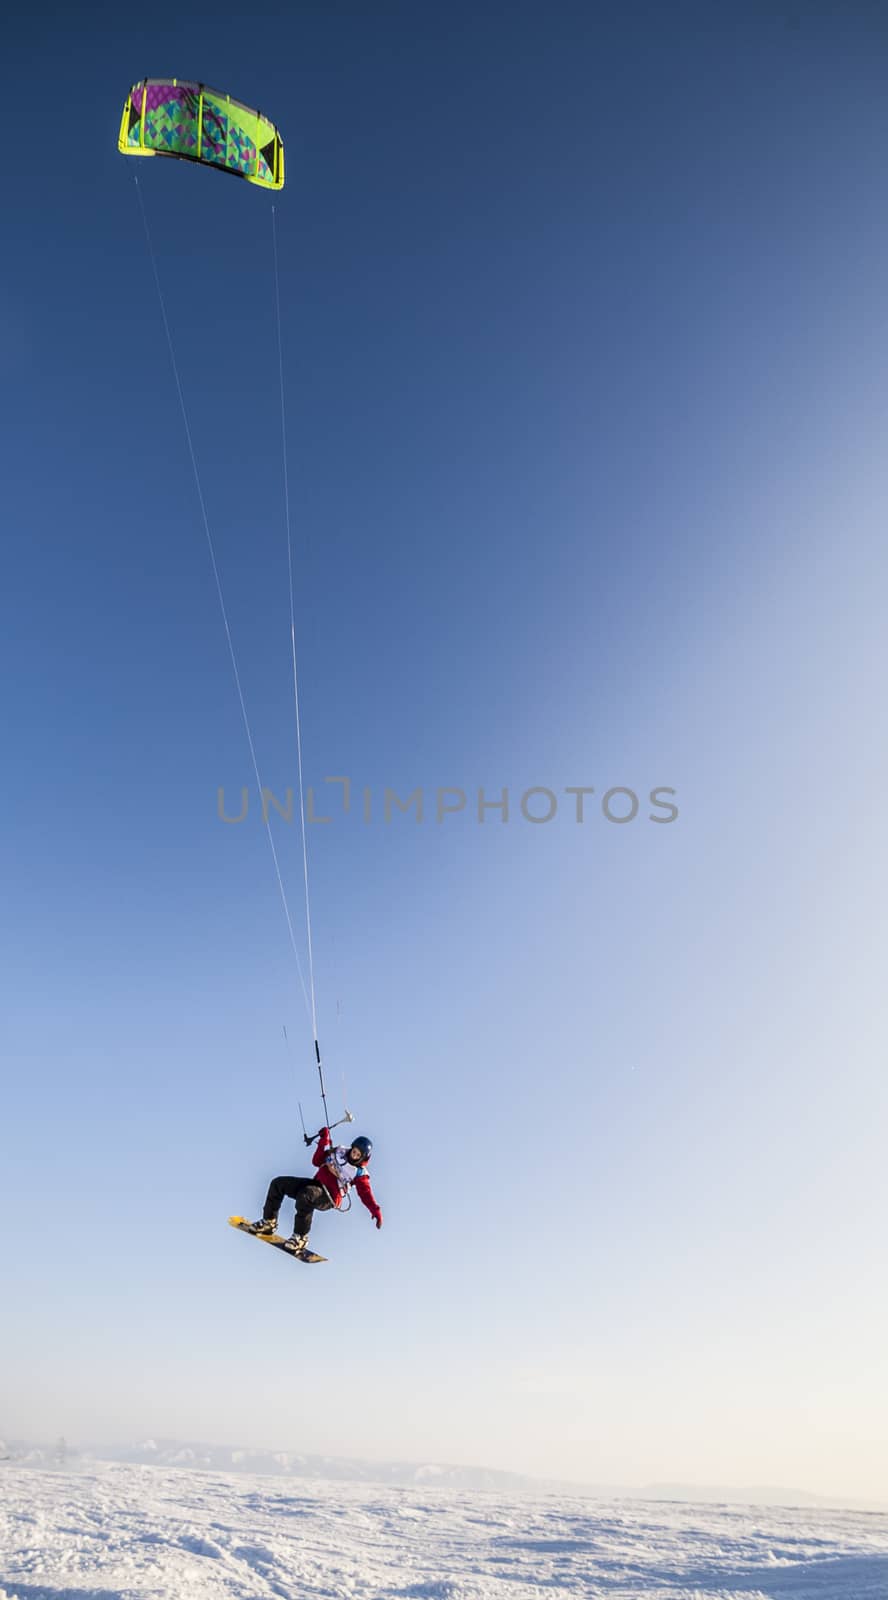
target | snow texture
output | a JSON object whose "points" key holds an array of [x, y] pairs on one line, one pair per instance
{"points": [[128, 1532]]}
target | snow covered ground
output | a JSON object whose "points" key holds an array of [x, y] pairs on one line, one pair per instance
{"points": [[100, 1531]]}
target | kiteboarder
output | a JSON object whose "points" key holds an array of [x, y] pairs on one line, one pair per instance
{"points": [[339, 1168]]}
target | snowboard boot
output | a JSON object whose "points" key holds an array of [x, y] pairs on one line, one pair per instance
{"points": [[297, 1242], [266, 1226]]}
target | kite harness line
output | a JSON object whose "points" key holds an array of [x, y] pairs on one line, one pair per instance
{"points": [[309, 1003], [288, 525], [188, 121]]}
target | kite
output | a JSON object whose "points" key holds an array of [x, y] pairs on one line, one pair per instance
{"points": [[167, 117]]}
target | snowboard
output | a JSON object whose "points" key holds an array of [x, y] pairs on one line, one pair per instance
{"points": [[246, 1226]]}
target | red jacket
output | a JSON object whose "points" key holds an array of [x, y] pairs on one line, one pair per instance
{"points": [[340, 1175]]}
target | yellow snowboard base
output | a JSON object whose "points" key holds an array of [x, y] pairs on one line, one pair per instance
{"points": [[246, 1226]]}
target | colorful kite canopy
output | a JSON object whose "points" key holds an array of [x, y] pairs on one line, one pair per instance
{"points": [[166, 117]]}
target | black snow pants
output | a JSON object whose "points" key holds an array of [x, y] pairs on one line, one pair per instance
{"points": [[310, 1196]]}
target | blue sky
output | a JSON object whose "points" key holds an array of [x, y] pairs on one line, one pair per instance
{"points": [[584, 336]]}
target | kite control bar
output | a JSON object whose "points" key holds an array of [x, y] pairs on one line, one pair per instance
{"points": [[310, 1137]]}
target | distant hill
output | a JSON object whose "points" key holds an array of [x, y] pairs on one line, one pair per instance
{"points": [[751, 1495], [340, 1469], [289, 1463]]}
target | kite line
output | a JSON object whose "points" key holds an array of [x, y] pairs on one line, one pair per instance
{"points": [[222, 606]]}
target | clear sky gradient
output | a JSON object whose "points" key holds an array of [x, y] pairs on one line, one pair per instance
{"points": [[585, 339]]}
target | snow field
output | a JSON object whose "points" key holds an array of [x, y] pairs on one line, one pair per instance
{"points": [[125, 1532]]}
